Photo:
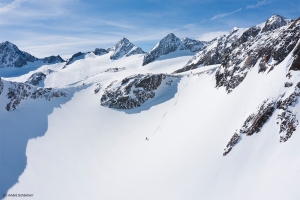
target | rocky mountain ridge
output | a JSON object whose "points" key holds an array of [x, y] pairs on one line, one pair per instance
{"points": [[11, 56]]}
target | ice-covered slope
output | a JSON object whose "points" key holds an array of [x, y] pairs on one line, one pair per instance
{"points": [[204, 142]]}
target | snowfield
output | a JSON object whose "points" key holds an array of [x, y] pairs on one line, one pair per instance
{"points": [[78, 149]]}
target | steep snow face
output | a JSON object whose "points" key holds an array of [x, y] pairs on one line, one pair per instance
{"points": [[168, 44], [274, 22], [124, 47], [11, 56]]}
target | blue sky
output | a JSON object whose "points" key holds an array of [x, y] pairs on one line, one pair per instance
{"points": [[65, 27]]}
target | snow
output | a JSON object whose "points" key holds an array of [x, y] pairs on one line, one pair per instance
{"points": [[78, 149]]}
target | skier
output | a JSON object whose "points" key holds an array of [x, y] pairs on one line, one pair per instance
{"points": [[147, 139]]}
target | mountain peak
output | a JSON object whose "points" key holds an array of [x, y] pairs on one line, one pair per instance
{"points": [[122, 48], [168, 44], [274, 22]]}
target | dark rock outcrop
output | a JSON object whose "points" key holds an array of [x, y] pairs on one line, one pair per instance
{"points": [[135, 90], [53, 59], [18, 92], [252, 124], [36, 78], [100, 52]]}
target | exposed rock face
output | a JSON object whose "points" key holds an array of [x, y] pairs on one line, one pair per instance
{"points": [[274, 22], [286, 118], [18, 92], [100, 52], [135, 90], [134, 51], [193, 45], [270, 47], [36, 78], [295, 66], [11, 56], [240, 51], [168, 44], [124, 48], [115, 69], [213, 52], [253, 124], [288, 123], [233, 141], [76, 56], [1, 86], [98, 88], [53, 59]]}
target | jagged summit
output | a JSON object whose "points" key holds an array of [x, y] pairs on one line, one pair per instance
{"points": [[274, 22], [193, 45], [168, 44], [124, 48], [12, 56]]}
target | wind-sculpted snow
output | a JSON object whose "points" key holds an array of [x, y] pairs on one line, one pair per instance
{"points": [[18, 92], [11, 56], [135, 90], [124, 47]]}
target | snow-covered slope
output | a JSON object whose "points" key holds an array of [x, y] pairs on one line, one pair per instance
{"points": [[220, 131]]}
